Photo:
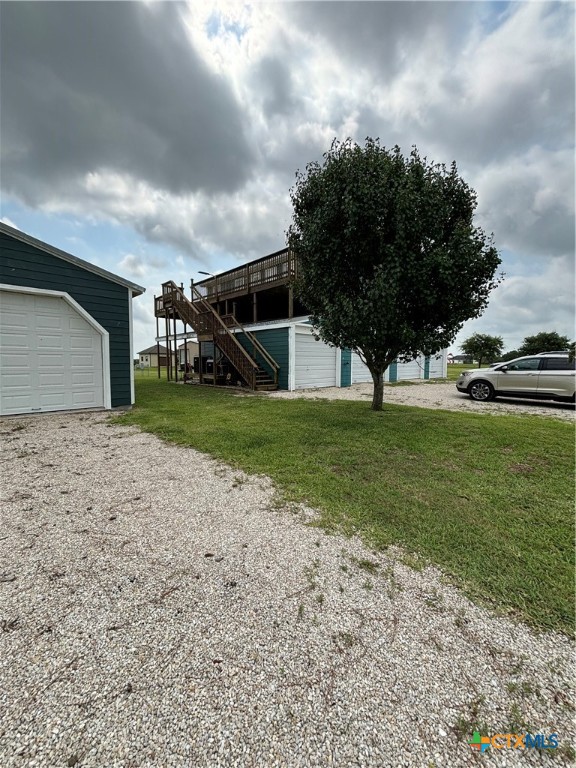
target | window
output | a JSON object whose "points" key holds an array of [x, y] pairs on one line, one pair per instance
{"points": [[558, 364], [527, 364]]}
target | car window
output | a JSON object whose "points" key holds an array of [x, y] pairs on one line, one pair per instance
{"points": [[559, 364], [526, 364]]}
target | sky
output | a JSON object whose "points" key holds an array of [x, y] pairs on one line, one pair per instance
{"points": [[161, 139]]}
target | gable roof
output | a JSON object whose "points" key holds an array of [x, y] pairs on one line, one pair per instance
{"points": [[153, 349], [17, 234]]}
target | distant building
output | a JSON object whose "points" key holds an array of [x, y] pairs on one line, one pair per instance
{"points": [[148, 358]]}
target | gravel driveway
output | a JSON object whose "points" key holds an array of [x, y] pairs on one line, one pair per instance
{"points": [[432, 394], [159, 609]]}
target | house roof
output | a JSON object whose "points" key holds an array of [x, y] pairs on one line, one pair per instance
{"points": [[153, 349], [137, 290]]}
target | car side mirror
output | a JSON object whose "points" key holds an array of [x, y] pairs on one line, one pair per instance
{"points": [[504, 368]]}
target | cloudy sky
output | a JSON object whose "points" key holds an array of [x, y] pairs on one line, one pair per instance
{"points": [[159, 139]]}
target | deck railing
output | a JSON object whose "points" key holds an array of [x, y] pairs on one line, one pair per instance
{"points": [[277, 269]]}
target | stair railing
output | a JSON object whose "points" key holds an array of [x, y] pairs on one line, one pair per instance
{"points": [[200, 314], [231, 322], [209, 322]]}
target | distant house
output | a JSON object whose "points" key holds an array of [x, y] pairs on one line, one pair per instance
{"points": [[462, 359], [252, 329], [187, 352], [148, 358], [65, 330]]}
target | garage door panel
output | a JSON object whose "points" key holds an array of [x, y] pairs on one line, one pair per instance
{"points": [[15, 358], [315, 363], [49, 323], [13, 320], [83, 361], [76, 323], [84, 399], [83, 379], [51, 341], [360, 371], [51, 380], [412, 370], [20, 403], [51, 401], [81, 342], [16, 340], [51, 356], [17, 379], [42, 304]]}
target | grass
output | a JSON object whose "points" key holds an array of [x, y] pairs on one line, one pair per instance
{"points": [[489, 499], [455, 369]]}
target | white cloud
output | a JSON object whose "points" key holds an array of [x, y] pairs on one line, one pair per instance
{"points": [[133, 265]]}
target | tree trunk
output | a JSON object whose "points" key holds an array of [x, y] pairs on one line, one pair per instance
{"points": [[378, 396]]}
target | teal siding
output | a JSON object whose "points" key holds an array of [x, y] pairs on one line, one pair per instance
{"points": [[393, 372], [108, 302], [275, 342], [426, 367], [346, 368]]}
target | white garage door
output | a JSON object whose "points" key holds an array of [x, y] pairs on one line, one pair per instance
{"points": [[315, 362], [50, 356], [360, 372]]}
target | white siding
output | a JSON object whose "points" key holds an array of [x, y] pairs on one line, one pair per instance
{"points": [[315, 363], [412, 370], [360, 372], [405, 371], [438, 365]]}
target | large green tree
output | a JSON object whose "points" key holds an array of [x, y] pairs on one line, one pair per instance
{"points": [[391, 264], [482, 347], [546, 341]]}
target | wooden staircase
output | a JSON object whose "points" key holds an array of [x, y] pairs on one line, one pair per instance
{"points": [[259, 369]]}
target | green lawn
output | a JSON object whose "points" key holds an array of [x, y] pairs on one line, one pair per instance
{"points": [[490, 499], [455, 369]]}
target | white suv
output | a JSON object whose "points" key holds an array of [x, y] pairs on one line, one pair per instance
{"points": [[547, 376]]}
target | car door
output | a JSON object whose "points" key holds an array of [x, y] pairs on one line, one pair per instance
{"points": [[557, 377], [520, 376]]}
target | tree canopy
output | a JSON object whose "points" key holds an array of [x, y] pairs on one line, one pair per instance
{"points": [[390, 262], [482, 347], [546, 341]]}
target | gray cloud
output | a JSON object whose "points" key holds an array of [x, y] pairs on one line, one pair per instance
{"points": [[513, 115], [381, 36], [273, 83], [529, 202], [117, 86]]}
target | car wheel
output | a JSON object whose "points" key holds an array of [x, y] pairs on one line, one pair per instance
{"points": [[481, 390]]}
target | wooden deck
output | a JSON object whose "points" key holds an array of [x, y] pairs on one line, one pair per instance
{"points": [[277, 269]]}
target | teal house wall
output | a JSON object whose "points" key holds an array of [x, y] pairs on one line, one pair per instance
{"points": [[427, 367], [108, 302], [275, 342], [346, 368]]}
